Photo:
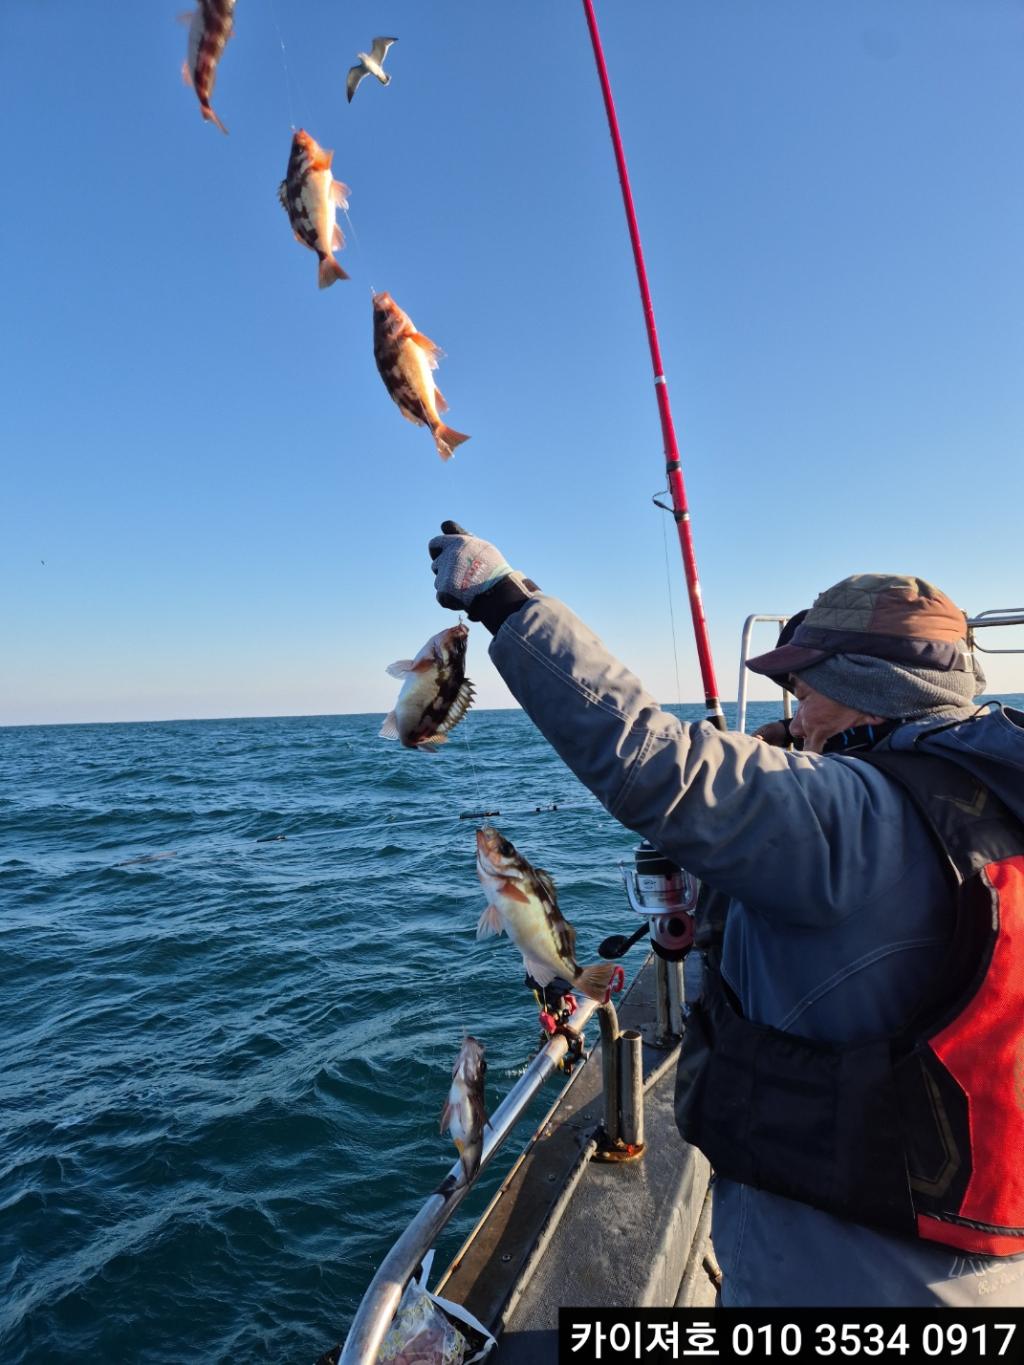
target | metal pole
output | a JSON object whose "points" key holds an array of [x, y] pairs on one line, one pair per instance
{"points": [[631, 1071], [661, 998], [609, 1022], [675, 998], [673, 465]]}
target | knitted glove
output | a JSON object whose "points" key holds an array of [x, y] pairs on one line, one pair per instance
{"points": [[473, 576]]}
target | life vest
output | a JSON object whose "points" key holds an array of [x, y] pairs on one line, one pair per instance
{"points": [[921, 1133]]}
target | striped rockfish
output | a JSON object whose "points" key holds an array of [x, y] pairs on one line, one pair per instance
{"points": [[463, 1113], [435, 693], [309, 195], [405, 359], [524, 902], [211, 25]]}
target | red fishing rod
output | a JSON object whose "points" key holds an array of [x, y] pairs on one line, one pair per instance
{"points": [[673, 465]]}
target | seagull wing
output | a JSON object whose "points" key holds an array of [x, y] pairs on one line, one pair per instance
{"points": [[355, 75], [380, 48]]}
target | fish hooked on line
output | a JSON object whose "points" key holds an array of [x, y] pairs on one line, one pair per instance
{"points": [[524, 903], [405, 359], [310, 195], [435, 693], [463, 1114], [211, 24]]}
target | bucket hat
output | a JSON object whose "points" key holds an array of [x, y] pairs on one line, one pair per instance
{"points": [[895, 617]]}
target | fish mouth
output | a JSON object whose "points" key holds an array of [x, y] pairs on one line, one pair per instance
{"points": [[490, 860]]}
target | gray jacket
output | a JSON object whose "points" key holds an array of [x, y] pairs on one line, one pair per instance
{"points": [[839, 911]]}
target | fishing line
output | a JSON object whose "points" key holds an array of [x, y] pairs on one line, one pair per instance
{"points": [[671, 612], [284, 63], [472, 764], [362, 258]]}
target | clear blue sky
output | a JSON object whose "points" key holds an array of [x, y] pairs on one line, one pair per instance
{"points": [[232, 513]]}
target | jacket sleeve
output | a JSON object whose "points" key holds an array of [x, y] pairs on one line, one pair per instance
{"points": [[803, 838]]}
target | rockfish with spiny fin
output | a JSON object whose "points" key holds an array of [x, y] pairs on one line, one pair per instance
{"points": [[435, 693], [524, 902], [406, 359], [463, 1113], [310, 195], [211, 24]]}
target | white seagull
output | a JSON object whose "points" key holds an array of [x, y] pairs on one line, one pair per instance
{"points": [[370, 64]]}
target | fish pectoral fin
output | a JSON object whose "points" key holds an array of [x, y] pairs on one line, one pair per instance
{"points": [[339, 193], [425, 344], [446, 1116], [186, 74], [389, 730], [540, 971], [431, 741], [490, 923], [400, 668]]}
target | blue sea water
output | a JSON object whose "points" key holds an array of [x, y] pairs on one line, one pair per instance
{"points": [[223, 1052]]}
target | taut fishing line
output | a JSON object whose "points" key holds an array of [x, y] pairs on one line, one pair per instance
{"points": [[284, 63], [671, 614]]}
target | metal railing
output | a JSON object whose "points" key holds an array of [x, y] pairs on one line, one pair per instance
{"points": [[741, 689], [998, 616], [380, 1302]]}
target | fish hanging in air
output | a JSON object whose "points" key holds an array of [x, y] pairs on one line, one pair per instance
{"points": [[523, 902], [405, 359], [211, 24], [370, 64], [435, 693], [463, 1114], [310, 195]]}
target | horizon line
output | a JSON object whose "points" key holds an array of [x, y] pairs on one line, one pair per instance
{"points": [[337, 715]]}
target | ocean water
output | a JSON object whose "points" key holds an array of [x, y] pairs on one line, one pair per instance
{"points": [[236, 961]]}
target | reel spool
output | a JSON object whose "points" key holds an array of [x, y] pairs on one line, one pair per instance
{"points": [[666, 896]]}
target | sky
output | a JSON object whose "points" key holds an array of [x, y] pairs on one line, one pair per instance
{"points": [[211, 507]]}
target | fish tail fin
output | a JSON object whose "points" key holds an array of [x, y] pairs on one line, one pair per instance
{"points": [[211, 117], [330, 271], [594, 980], [446, 439]]}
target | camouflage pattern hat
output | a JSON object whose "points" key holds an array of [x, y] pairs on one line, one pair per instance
{"points": [[885, 616]]}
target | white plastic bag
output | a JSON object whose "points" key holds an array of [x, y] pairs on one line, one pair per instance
{"points": [[429, 1330]]}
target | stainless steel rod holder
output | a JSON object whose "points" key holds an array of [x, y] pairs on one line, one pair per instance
{"points": [[631, 1077], [661, 996], [675, 997], [609, 1022]]}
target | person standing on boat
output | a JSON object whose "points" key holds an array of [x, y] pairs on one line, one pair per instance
{"points": [[855, 1070]]}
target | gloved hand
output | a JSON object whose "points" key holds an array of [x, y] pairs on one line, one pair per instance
{"points": [[468, 569]]}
